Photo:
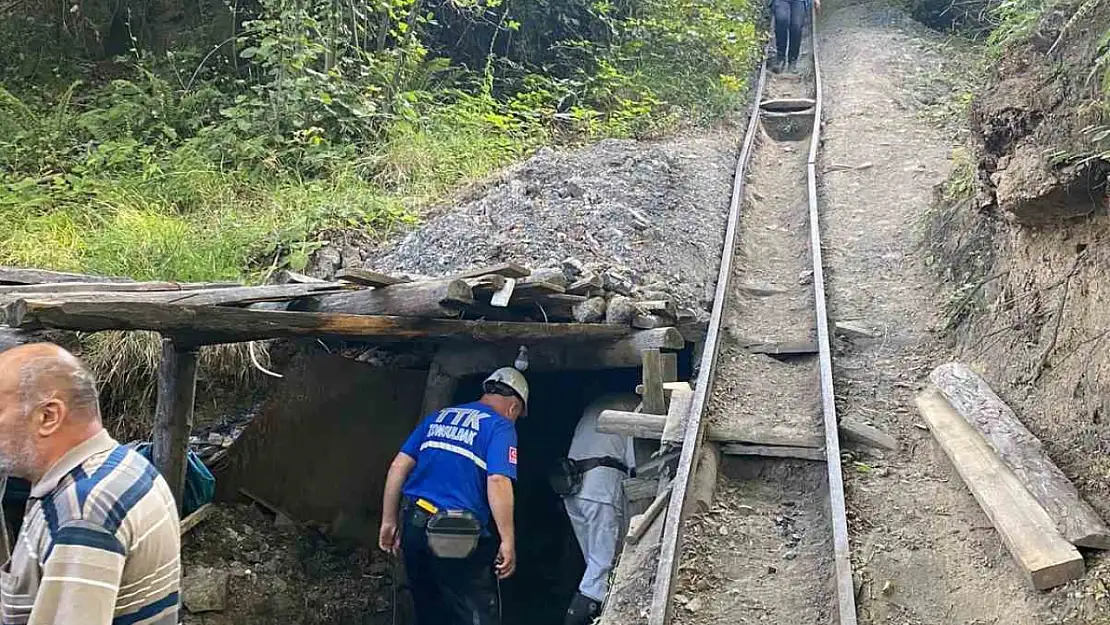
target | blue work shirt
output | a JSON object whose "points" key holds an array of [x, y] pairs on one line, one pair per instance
{"points": [[455, 450]]}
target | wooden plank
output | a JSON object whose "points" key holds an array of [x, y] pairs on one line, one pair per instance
{"points": [[217, 324], [639, 488], [501, 297], [22, 275], [111, 287], [1023, 453], [285, 276], [704, 486], [365, 277], [528, 292], [643, 521], [654, 402], [197, 517], [173, 414], [647, 322], [586, 285], [1041, 553], [651, 426], [632, 578], [863, 434], [509, 270], [230, 296], [774, 451], [670, 551], [678, 413], [670, 368], [634, 424], [784, 348], [619, 353], [427, 298]]}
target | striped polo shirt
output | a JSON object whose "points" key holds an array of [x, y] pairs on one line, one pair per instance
{"points": [[99, 544]]}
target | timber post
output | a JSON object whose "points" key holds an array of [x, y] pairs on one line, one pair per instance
{"points": [[173, 416]]}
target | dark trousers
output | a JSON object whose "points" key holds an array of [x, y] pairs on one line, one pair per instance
{"points": [[790, 17], [449, 591]]}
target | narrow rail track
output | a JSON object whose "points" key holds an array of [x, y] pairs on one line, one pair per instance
{"points": [[774, 548]]}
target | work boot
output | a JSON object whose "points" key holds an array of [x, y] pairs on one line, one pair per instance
{"points": [[582, 610], [777, 65], [792, 67]]}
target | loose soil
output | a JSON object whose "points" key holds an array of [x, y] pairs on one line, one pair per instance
{"points": [[923, 551]]}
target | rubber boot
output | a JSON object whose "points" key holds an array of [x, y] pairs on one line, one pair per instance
{"points": [[582, 610]]}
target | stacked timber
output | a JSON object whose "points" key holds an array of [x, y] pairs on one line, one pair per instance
{"points": [[504, 292], [1035, 508]]}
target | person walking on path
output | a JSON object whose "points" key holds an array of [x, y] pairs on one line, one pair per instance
{"points": [[100, 542], [454, 473], [790, 18]]}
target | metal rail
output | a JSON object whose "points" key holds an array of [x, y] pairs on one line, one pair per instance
{"points": [[671, 547]]}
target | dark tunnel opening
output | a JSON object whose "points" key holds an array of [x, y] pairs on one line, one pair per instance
{"points": [[549, 562]]}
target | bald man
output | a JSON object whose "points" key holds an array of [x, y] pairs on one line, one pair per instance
{"points": [[100, 542]]}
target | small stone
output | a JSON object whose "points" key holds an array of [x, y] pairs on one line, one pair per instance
{"points": [[681, 599], [789, 555], [694, 605], [806, 277], [549, 274], [772, 570], [572, 267], [591, 310], [204, 589], [723, 530], [745, 510], [888, 588]]}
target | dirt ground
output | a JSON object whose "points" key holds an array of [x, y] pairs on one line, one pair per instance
{"points": [[923, 551], [279, 573]]}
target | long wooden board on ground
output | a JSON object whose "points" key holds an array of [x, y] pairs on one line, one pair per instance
{"points": [[197, 517], [1023, 453], [1041, 553], [773, 451], [217, 324]]}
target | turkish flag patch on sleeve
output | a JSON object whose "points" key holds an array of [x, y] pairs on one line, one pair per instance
{"points": [[512, 455]]}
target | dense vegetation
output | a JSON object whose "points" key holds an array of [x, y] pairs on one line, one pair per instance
{"points": [[220, 139]]}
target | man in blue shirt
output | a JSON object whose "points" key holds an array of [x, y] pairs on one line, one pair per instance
{"points": [[458, 463]]}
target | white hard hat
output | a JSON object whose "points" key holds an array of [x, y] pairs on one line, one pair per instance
{"points": [[513, 379]]}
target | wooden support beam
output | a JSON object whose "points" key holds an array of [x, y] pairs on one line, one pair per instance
{"points": [[439, 389], [1041, 553], [428, 298], [217, 324], [863, 434], [678, 413], [21, 275], [704, 486], [1023, 453], [509, 270], [650, 426], [366, 277], [642, 522], [773, 451], [173, 415], [654, 402], [670, 368], [230, 296]]}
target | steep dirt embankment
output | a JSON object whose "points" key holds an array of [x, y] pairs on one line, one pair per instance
{"points": [[1026, 260]]}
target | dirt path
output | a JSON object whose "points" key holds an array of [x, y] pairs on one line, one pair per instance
{"points": [[923, 551]]}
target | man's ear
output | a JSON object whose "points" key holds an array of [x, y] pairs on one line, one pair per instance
{"points": [[50, 416]]}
